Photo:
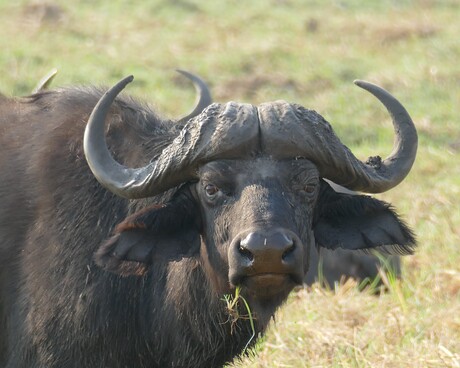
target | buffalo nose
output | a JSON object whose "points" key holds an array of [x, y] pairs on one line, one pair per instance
{"points": [[262, 252], [257, 247]]}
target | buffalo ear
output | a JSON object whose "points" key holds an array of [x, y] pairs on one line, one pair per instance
{"points": [[157, 234], [352, 221]]}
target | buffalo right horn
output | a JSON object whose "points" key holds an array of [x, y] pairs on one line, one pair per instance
{"points": [[376, 175], [305, 133]]}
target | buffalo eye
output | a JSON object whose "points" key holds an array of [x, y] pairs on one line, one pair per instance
{"points": [[211, 190], [309, 188]]}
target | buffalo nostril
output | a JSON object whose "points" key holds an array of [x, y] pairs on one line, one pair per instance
{"points": [[288, 251], [245, 253]]}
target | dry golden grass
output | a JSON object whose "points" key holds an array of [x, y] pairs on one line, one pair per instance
{"points": [[348, 328]]}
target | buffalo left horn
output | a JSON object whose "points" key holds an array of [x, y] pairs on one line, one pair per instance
{"points": [[226, 131]]}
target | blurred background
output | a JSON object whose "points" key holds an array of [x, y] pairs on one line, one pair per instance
{"points": [[308, 52]]}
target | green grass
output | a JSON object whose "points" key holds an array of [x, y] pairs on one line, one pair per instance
{"points": [[235, 304], [305, 51]]}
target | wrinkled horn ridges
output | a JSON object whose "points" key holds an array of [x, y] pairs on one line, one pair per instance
{"points": [[154, 178], [196, 143]]}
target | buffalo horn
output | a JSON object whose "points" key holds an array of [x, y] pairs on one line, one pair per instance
{"points": [[133, 182], [45, 82], [203, 99], [305, 133], [226, 131], [378, 176]]}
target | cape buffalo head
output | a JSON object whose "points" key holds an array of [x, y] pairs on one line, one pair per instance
{"points": [[251, 197]]}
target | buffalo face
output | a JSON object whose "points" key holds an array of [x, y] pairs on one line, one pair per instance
{"points": [[257, 219]]}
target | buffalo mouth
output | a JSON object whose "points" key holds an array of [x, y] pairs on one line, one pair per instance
{"points": [[266, 286], [265, 292]]}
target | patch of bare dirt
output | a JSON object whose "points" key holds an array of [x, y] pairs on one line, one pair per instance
{"points": [[40, 13]]}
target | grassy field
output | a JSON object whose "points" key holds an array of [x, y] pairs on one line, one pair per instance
{"points": [[307, 52]]}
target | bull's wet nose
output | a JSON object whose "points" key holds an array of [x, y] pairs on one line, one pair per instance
{"points": [[275, 248], [266, 252]]}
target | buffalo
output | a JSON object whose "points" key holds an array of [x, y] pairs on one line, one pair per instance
{"points": [[129, 240]]}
